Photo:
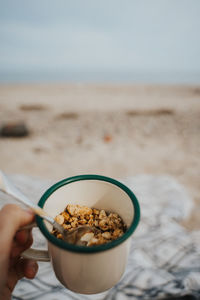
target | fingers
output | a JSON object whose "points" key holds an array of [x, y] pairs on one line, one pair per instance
{"points": [[19, 247], [22, 236], [30, 268], [23, 268], [12, 217]]}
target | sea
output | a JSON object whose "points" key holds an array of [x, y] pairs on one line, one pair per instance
{"points": [[129, 77]]}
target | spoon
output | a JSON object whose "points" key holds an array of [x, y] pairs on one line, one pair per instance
{"points": [[73, 236]]}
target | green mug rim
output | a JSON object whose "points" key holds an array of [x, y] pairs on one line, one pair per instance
{"points": [[93, 249]]}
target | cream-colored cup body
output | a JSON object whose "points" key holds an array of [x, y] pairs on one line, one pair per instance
{"points": [[93, 272], [89, 273]]}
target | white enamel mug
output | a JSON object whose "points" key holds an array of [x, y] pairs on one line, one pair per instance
{"points": [[82, 269]]}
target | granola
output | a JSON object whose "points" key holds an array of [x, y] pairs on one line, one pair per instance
{"points": [[109, 225]]}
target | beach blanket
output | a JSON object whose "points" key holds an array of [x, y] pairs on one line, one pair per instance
{"points": [[164, 261]]}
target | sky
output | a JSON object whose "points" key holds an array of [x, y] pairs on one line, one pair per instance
{"points": [[113, 37]]}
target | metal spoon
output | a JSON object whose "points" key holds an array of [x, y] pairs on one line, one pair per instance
{"points": [[73, 236]]}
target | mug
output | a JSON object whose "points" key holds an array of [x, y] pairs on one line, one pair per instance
{"points": [[92, 269]]}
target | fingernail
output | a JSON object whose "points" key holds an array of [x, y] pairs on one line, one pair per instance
{"points": [[33, 267]]}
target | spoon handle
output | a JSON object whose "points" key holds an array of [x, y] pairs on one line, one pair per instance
{"points": [[7, 187]]}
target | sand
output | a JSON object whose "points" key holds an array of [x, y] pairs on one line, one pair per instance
{"points": [[113, 130]]}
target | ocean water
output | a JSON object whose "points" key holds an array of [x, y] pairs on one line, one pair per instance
{"points": [[100, 77]]}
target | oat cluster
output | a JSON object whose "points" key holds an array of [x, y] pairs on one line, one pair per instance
{"points": [[109, 225]]}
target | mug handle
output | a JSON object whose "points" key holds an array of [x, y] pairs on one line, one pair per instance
{"points": [[31, 253]]}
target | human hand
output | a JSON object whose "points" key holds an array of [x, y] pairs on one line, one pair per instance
{"points": [[12, 244]]}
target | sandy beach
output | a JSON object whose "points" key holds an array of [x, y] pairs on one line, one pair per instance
{"points": [[114, 130]]}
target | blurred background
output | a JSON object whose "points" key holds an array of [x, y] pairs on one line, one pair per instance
{"points": [[110, 87], [140, 41]]}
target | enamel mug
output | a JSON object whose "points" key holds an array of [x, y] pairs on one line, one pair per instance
{"points": [[94, 269]]}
